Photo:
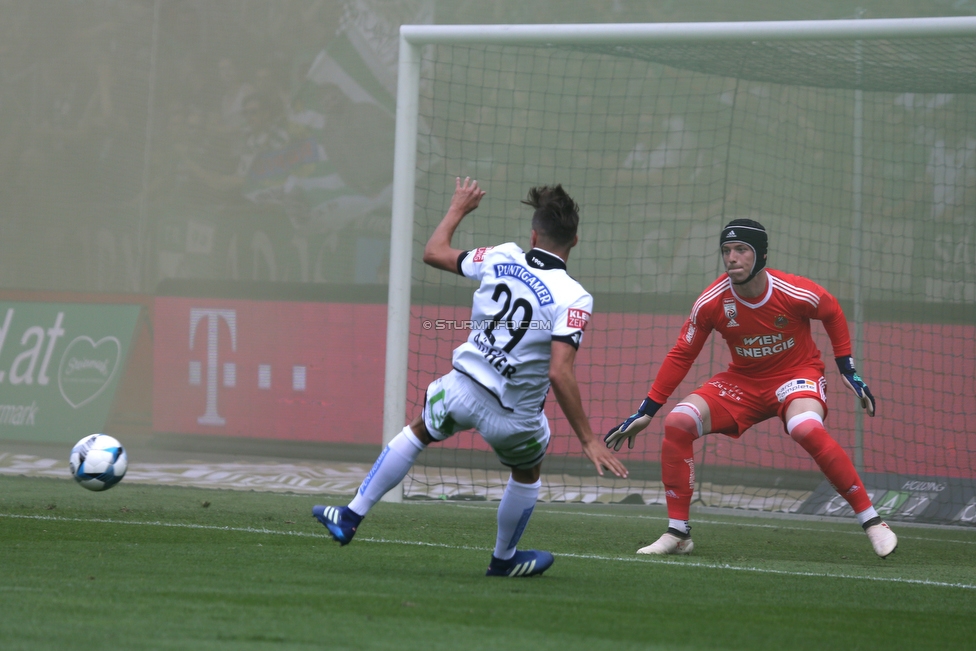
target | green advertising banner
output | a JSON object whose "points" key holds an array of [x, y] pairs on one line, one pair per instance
{"points": [[60, 364]]}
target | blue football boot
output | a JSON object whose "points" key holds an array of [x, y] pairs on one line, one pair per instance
{"points": [[530, 563], [340, 521]]}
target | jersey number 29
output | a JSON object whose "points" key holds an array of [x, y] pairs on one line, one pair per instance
{"points": [[515, 328]]}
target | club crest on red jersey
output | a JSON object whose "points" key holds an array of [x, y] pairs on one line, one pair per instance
{"points": [[781, 321], [730, 311]]}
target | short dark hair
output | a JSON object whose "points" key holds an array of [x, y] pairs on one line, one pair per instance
{"points": [[556, 215]]}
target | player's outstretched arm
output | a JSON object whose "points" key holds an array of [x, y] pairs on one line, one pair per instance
{"points": [[853, 381], [673, 370], [564, 385], [439, 253], [632, 426]]}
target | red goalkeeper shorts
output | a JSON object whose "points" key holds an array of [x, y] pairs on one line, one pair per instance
{"points": [[749, 400]]}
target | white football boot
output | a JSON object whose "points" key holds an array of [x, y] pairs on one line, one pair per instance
{"points": [[882, 538], [672, 542]]}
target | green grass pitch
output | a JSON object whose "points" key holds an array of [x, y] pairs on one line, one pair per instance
{"points": [[149, 567]]}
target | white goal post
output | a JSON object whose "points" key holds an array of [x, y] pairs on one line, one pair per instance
{"points": [[414, 38]]}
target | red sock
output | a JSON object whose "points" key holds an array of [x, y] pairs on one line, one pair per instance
{"points": [[678, 464], [833, 462]]}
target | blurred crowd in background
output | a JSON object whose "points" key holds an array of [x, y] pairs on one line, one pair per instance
{"points": [[145, 140]]}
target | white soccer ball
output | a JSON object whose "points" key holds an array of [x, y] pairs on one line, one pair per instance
{"points": [[98, 462]]}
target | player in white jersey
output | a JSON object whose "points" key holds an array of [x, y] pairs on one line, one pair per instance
{"points": [[527, 301], [527, 322]]}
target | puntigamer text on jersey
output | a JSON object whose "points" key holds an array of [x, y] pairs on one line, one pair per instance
{"points": [[519, 272]]}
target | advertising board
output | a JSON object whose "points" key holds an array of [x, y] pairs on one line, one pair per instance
{"points": [[60, 367]]}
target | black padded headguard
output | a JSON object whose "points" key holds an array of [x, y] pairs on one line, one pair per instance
{"points": [[752, 234]]}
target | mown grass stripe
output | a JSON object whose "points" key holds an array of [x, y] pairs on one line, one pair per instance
{"points": [[596, 557], [847, 529]]}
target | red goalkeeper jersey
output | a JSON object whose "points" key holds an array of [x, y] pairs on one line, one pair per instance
{"points": [[767, 336]]}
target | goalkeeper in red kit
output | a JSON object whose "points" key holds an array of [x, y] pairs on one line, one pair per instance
{"points": [[776, 370]]}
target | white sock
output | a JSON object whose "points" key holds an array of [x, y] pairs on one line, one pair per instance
{"points": [[680, 525], [866, 515], [513, 514], [390, 468]]}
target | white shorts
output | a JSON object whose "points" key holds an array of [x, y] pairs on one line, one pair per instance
{"points": [[455, 403]]}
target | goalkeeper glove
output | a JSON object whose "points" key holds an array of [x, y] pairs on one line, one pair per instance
{"points": [[854, 382], [630, 428]]}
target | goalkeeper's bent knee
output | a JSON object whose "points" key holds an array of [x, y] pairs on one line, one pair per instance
{"points": [[677, 419]]}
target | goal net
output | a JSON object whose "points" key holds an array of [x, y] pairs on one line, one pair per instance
{"points": [[853, 142]]}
